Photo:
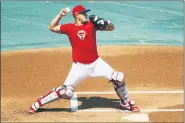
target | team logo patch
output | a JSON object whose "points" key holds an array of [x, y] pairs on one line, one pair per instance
{"points": [[81, 34]]}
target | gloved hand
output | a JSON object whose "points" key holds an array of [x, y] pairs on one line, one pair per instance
{"points": [[99, 23]]}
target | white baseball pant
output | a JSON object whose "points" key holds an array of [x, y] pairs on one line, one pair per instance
{"points": [[79, 71]]}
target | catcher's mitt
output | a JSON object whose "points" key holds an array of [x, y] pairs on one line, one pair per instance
{"points": [[99, 23]]}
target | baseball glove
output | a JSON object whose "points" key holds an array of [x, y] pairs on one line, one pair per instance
{"points": [[99, 23]]}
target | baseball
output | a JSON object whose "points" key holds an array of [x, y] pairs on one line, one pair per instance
{"points": [[67, 9]]}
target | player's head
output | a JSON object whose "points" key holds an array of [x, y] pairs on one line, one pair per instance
{"points": [[80, 13]]}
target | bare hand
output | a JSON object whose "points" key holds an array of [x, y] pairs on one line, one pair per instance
{"points": [[63, 12]]}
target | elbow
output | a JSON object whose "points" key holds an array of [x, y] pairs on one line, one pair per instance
{"points": [[50, 28]]}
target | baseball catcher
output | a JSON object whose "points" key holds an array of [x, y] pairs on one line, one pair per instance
{"points": [[86, 61]]}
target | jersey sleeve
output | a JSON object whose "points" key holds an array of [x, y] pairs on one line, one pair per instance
{"points": [[65, 28]]}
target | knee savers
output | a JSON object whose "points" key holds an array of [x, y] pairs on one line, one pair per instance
{"points": [[57, 93], [65, 91], [117, 79]]}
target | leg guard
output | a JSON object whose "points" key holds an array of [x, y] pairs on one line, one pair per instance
{"points": [[119, 85], [64, 91]]}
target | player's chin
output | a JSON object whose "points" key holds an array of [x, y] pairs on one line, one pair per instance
{"points": [[85, 22]]}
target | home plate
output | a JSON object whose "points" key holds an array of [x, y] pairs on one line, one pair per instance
{"points": [[137, 117]]}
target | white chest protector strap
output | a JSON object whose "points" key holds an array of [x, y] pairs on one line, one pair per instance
{"points": [[64, 91], [119, 85]]}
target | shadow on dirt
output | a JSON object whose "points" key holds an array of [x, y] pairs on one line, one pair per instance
{"points": [[98, 102], [54, 110], [87, 103]]}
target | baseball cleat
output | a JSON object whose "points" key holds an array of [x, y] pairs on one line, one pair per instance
{"points": [[35, 106], [129, 106]]}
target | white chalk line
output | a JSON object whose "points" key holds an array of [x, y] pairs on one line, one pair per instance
{"points": [[74, 101], [141, 110], [124, 15], [146, 8], [23, 21], [135, 92]]}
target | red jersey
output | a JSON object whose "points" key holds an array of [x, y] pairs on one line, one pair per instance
{"points": [[83, 41]]}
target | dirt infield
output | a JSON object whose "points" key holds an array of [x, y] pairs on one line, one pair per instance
{"points": [[28, 74]]}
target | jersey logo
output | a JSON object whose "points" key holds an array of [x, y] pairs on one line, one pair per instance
{"points": [[81, 34]]}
